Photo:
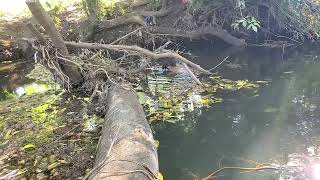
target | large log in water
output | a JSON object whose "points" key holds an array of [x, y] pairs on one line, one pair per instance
{"points": [[126, 150]]}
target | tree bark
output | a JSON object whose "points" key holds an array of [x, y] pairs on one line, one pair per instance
{"points": [[198, 33], [36, 33], [127, 150], [43, 18]]}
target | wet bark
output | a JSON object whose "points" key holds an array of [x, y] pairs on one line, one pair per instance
{"points": [[127, 150]]}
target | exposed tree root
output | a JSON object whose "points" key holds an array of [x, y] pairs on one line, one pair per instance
{"points": [[43, 18]]}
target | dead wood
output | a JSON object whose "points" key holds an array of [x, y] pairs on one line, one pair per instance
{"points": [[123, 20], [140, 51], [199, 33], [43, 18], [137, 3], [127, 150]]}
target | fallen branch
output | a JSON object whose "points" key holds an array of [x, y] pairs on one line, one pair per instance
{"points": [[258, 168], [140, 51], [136, 18], [123, 20], [194, 77], [161, 13], [127, 35], [137, 3], [199, 33], [219, 64]]}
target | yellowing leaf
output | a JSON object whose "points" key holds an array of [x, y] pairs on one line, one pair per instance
{"points": [[62, 161], [29, 147], [160, 177], [53, 165], [157, 143], [8, 134]]}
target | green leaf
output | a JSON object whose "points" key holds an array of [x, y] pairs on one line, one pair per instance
{"points": [[257, 24], [254, 28], [235, 26], [249, 26], [244, 23], [240, 20]]}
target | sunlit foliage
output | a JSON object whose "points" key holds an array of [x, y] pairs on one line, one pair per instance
{"points": [[295, 18]]}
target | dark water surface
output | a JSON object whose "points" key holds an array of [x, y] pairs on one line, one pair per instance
{"points": [[281, 121]]}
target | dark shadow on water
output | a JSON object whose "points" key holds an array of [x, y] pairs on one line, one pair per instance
{"points": [[282, 120]]}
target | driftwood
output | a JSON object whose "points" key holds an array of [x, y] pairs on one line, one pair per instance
{"points": [[126, 150], [43, 18]]}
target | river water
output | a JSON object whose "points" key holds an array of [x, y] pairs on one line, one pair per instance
{"points": [[283, 120], [242, 131]]}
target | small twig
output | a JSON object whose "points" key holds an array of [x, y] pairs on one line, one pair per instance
{"points": [[96, 89], [163, 46], [194, 77], [213, 174], [65, 59], [106, 73], [219, 63], [65, 134], [127, 35], [176, 22]]}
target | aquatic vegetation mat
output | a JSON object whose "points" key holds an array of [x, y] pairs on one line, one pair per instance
{"points": [[167, 99]]}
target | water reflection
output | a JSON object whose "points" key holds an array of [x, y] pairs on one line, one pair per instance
{"points": [[14, 83], [273, 127]]}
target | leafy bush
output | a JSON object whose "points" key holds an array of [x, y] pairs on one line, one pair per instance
{"points": [[295, 18], [2, 13], [248, 22]]}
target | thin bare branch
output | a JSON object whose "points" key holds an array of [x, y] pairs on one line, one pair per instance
{"points": [[139, 50]]}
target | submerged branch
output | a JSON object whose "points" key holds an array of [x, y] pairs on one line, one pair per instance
{"points": [[258, 168]]}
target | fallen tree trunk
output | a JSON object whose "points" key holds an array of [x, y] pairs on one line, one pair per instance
{"points": [[126, 150]]}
